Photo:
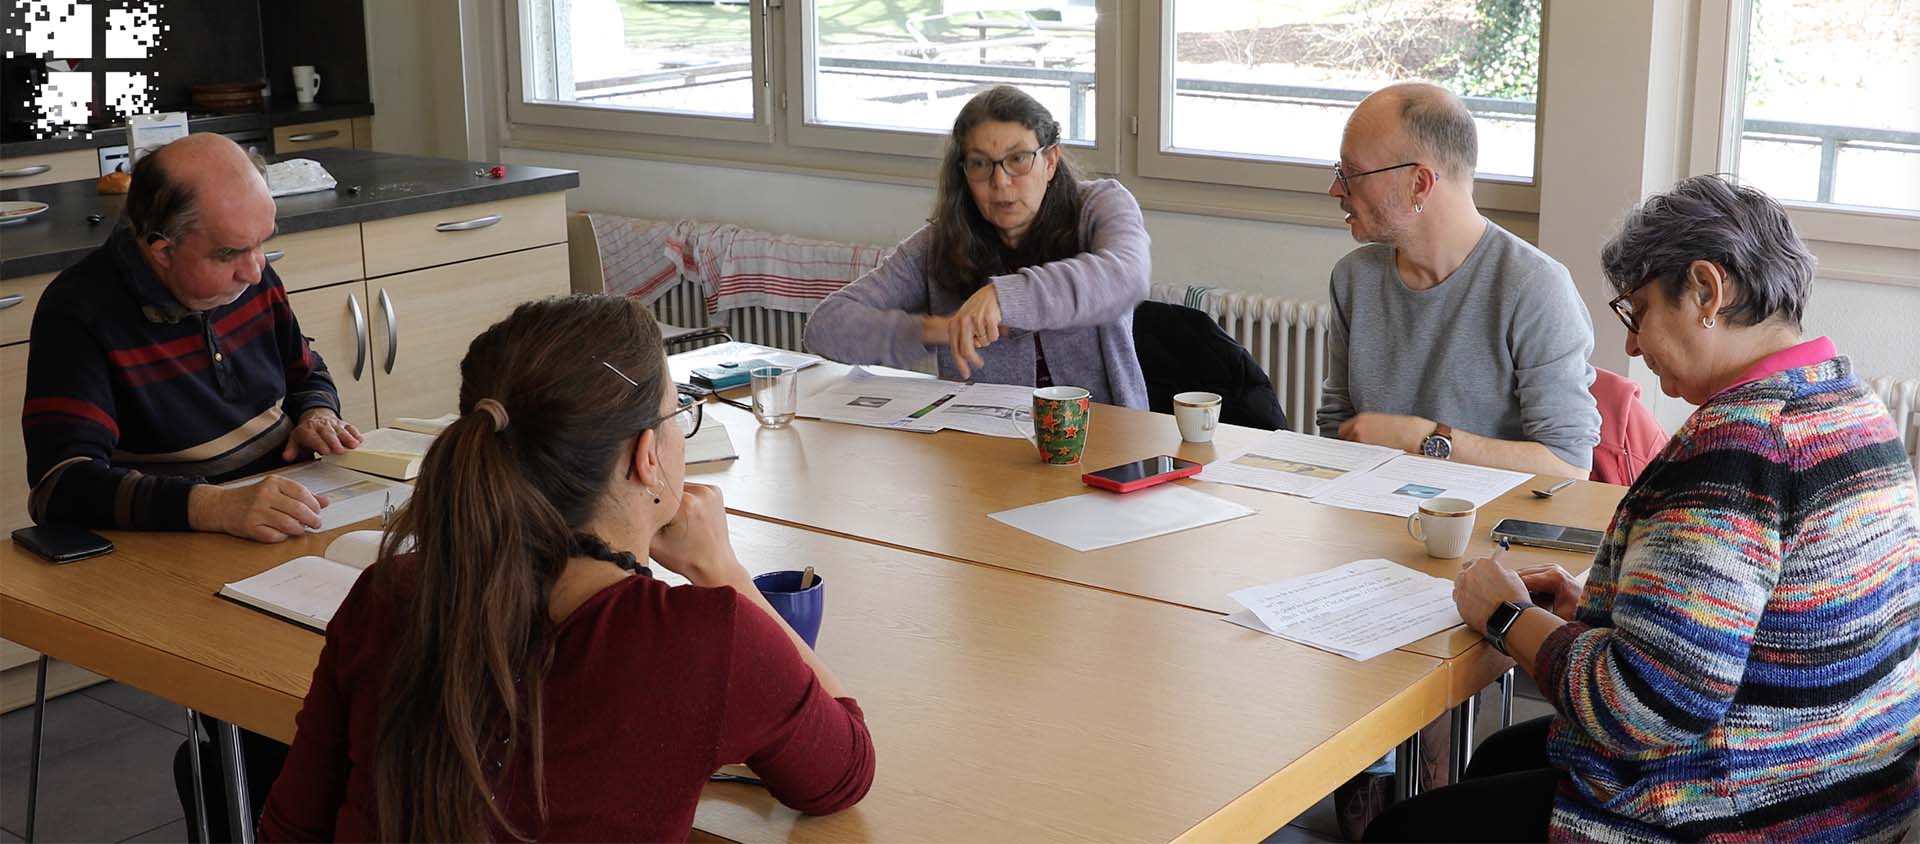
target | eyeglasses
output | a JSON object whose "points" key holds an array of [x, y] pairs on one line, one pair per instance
{"points": [[690, 412], [1340, 174], [1018, 164], [1622, 307]]}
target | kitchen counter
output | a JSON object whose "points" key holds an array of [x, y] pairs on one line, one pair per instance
{"points": [[389, 185], [277, 114]]}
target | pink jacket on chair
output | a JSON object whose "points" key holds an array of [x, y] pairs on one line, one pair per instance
{"points": [[1629, 435]]}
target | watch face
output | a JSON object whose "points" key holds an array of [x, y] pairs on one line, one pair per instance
{"points": [[1437, 447]]}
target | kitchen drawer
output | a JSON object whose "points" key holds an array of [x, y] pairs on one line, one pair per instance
{"points": [[30, 170], [429, 239], [316, 258], [326, 134], [16, 314]]}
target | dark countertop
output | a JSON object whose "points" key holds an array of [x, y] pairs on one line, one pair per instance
{"points": [[277, 114], [390, 186]]}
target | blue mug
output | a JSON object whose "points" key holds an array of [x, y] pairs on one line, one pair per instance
{"points": [[801, 608]]}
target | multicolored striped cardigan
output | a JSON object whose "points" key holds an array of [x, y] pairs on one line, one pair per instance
{"points": [[1742, 666]]}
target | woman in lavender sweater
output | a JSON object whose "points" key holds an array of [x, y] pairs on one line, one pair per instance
{"points": [[1024, 275]]}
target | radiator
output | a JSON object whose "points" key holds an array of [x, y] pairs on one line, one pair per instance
{"points": [[683, 306], [1902, 396], [1287, 337]]}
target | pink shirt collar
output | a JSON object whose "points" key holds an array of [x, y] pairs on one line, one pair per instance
{"points": [[1817, 350]]}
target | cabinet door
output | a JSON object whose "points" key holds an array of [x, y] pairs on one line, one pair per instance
{"points": [[337, 319], [424, 320], [13, 451]]}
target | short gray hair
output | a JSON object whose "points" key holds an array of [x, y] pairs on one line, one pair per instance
{"points": [[1439, 124], [1714, 218]]}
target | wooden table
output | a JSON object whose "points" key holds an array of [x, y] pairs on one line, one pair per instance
{"points": [[1004, 707]]}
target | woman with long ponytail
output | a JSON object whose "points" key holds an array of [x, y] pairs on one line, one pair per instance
{"points": [[509, 669]]}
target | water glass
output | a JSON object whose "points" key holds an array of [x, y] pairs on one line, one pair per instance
{"points": [[776, 395]]}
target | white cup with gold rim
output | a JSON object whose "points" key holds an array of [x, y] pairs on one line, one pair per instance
{"points": [[1445, 525], [1197, 414]]}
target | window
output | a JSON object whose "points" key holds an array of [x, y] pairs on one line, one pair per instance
{"points": [[1829, 109], [1277, 79], [911, 64]]}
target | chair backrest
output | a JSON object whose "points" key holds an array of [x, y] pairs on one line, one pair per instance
{"points": [[1183, 349], [1630, 437]]}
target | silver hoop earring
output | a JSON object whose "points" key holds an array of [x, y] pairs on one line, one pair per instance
{"points": [[1708, 322], [1416, 208]]}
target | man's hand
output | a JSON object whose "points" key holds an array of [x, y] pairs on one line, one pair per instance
{"points": [[268, 511], [322, 431], [1401, 432]]}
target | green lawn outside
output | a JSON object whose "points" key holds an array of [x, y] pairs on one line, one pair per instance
{"points": [[693, 25]]}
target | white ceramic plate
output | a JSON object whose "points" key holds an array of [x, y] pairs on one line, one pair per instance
{"points": [[20, 209]]}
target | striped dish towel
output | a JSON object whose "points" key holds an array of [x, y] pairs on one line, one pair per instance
{"points": [[633, 256], [743, 268]]}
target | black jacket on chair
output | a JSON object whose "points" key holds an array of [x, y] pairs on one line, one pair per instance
{"points": [[1182, 349]]}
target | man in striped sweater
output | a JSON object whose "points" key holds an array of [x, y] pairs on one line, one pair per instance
{"points": [[169, 357]]}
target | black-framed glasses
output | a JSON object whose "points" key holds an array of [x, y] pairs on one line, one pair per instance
{"points": [[1341, 175], [1622, 307], [690, 412], [1018, 164]]}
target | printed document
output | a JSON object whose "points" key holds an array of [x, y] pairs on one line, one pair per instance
{"points": [[1360, 610], [682, 365], [351, 496], [923, 404], [1296, 464], [1397, 487], [1100, 519]]}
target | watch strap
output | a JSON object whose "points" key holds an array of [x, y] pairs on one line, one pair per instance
{"points": [[1502, 620]]}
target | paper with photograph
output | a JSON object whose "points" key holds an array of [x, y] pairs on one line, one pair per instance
{"points": [[1397, 487], [1296, 464]]}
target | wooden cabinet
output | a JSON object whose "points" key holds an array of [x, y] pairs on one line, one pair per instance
{"points": [[335, 319], [325, 134], [309, 259], [433, 238], [13, 451], [28, 171]]}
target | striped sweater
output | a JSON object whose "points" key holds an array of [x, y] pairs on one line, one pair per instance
{"points": [[1742, 666], [132, 399]]}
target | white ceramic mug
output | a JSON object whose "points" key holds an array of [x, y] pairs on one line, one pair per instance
{"points": [[1197, 414], [1445, 524], [306, 83]]}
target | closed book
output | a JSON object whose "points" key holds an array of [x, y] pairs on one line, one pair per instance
{"points": [[387, 452]]}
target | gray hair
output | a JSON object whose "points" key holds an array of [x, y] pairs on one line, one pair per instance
{"points": [[1714, 218], [1439, 125]]}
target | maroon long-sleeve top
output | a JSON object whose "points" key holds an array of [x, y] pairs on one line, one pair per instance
{"points": [[651, 690]]}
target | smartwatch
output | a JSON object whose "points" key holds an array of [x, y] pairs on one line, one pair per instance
{"points": [[1502, 620], [1439, 444]]}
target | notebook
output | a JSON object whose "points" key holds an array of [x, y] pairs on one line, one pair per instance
{"points": [[308, 590], [711, 445]]}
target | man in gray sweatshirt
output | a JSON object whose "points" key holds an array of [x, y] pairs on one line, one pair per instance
{"points": [[1451, 336]]}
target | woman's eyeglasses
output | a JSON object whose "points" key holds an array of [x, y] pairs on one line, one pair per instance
{"points": [[689, 414], [1622, 307], [1019, 164]]}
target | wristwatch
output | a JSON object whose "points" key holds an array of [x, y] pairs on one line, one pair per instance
{"points": [[1502, 620], [1439, 444]]}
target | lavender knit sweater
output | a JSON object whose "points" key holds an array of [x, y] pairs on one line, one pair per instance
{"points": [[1079, 310]]}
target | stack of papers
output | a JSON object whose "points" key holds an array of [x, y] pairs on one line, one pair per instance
{"points": [[1101, 519], [1357, 476], [682, 365], [924, 405], [351, 496], [1360, 610]]}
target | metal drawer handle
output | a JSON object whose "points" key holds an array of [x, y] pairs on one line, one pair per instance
{"points": [[23, 172], [276, 255], [10, 300], [393, 333], [359, 336], [310, 137], [468, 225]]}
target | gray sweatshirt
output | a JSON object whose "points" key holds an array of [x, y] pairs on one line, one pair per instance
{"points": [[1078, 310], [1500, 348]]}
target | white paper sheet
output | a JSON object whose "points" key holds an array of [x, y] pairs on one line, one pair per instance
{"points": [[683, 364], [1360, 610], [351, 496], [307, 589], [1296, 464], [883, 401], [1100, 519], [995, 410], [1397, 487]]}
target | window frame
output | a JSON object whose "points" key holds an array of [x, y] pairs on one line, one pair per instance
{"points": [[1878, 244], [1156, 81], [1102, 156], [519, 109]]}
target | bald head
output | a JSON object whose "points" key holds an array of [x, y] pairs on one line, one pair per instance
{"points": [[1423, 121], [199, 210]]}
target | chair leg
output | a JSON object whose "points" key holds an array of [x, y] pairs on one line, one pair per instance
{"points": [[1462, 746], [39, 728], [199, 785], [1406, 768], [1506, 699]]}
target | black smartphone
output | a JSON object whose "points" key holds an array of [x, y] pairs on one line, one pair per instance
{"points": [[62, 544], [1543, 535]]}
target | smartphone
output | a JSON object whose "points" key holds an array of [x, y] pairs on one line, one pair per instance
{"points": [[1128, 477], [62, 544], [726, 376], [1543, 535]]}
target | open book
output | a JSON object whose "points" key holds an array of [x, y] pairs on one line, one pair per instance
{"points": [[394, 451], [308, 590]]}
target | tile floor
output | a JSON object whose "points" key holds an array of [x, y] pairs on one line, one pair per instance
{"points": [[107, 769]]}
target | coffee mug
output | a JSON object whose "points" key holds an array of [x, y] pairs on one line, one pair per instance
{"points": [[1445, 524], [1060, 419], [1197, 414], [802, 608], [306, 83]]}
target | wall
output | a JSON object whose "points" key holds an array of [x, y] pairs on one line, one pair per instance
{"points": [[399, 59]]}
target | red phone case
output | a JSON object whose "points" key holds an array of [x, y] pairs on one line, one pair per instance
{"points": [[1093, 480]]}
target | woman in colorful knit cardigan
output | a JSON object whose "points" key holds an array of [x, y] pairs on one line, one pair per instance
{"points": [[1741, 663]]}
